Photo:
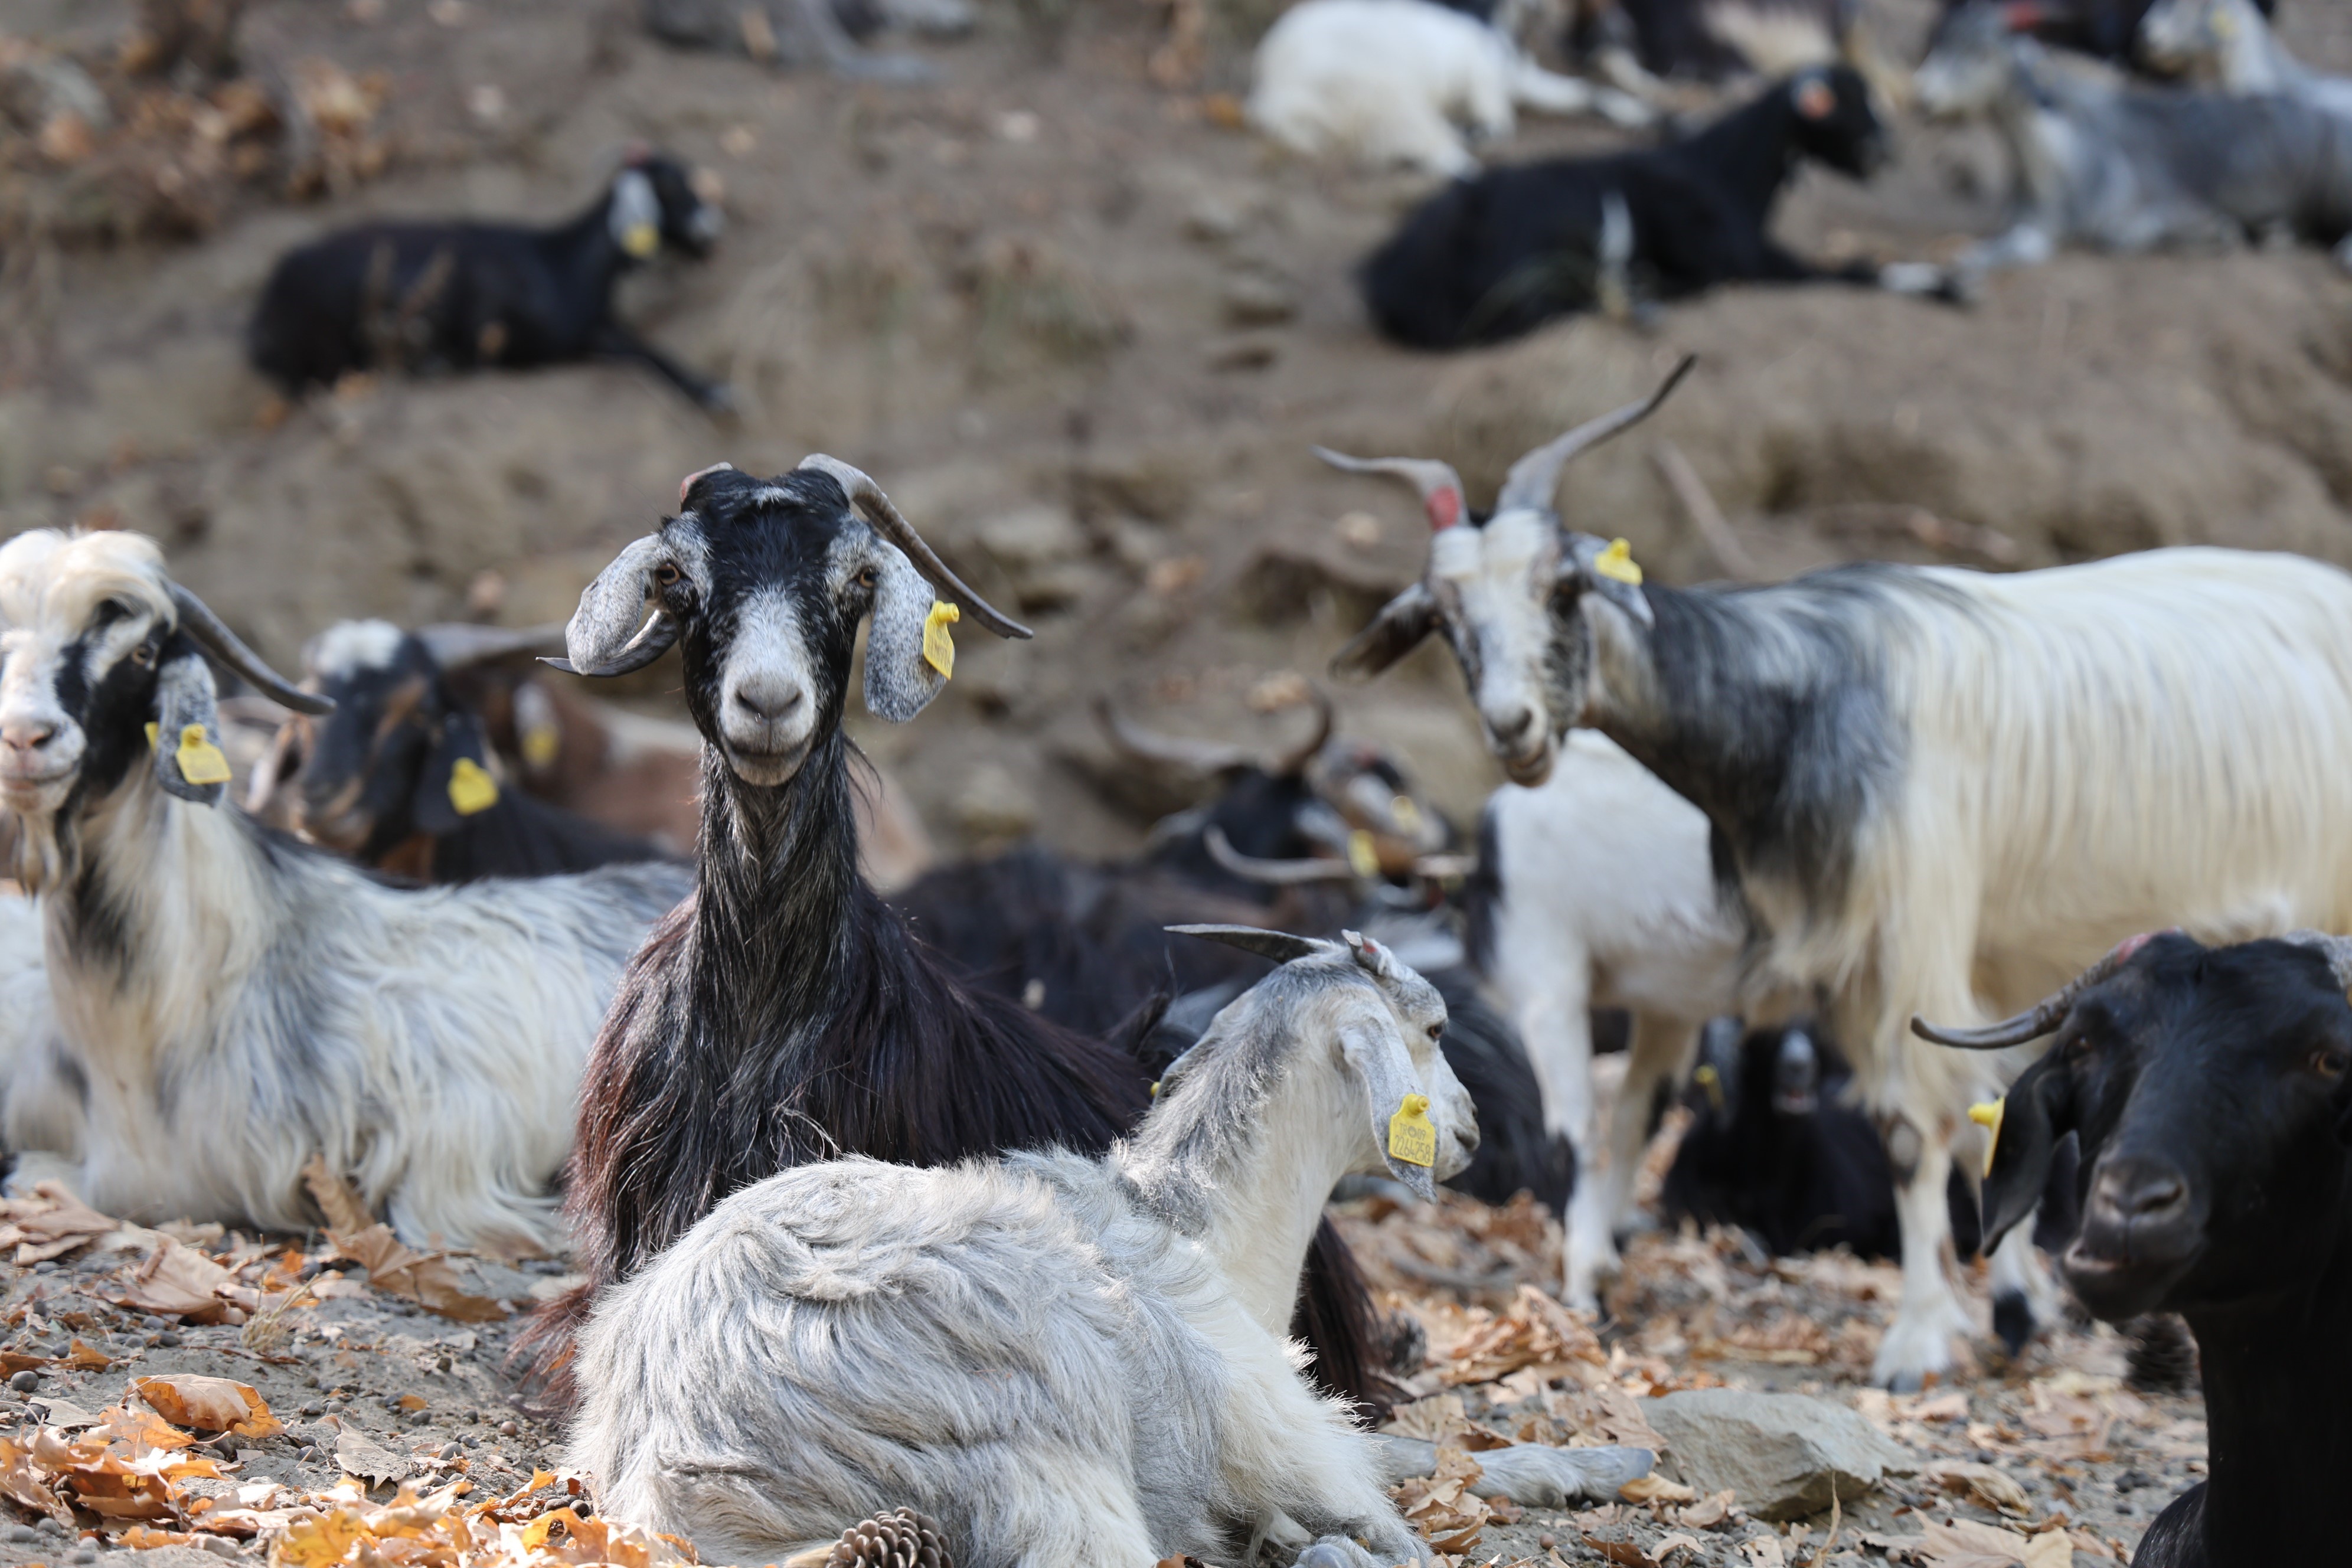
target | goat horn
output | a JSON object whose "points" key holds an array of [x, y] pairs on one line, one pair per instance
{"points": [[887, 521], [1284, 764], [1534, 478], [455, 645], [1172, 751], [2336, 950], [1442, 495], [1273, 873], [652, 641], [1278, 945], [2040, 1019], [198, 620]]}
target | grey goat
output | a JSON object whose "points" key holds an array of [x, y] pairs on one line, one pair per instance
{"points": [[1065, 1360], [2230, 43]]}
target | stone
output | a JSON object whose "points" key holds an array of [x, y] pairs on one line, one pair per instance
{"points": [[1782, 1454], [25, 1382], [1258, 297]]}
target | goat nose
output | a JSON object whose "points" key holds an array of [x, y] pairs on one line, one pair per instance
{"points": [[2138, 1193], [767, 700], [27, 735], [1512, 723]]}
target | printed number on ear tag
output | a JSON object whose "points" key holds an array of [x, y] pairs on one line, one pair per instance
{"points": [[471, 788], [200, 760], [641, 240], [1617, 563], [938, 647], [1987, 1116], [1410, 1137]]}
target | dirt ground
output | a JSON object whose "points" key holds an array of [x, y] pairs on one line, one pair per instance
{"points": [[1085, 332]]}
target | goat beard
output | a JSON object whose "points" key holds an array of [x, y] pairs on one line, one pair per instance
{"points": [[43, 856]]}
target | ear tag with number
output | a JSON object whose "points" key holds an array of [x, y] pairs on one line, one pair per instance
{"points": [[1410, 1137], [938, 647], [641, 239], [200, 760], [1987, 1116], [471, 788], [1617, 563]]}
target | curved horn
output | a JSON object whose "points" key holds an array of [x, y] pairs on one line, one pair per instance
{"points": [[1442, 495], [1273, 873], [1284, 764], [886, 521], [1534, 478], [1278, 945], [2336, 950], [605, 636], [198, 620], [453, 645], [2040, 1019], [1171, 750]]}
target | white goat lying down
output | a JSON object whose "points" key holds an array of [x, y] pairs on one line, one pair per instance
{"points": [[27, 1030], [1065, 1360], [1387, 82], [230, 1003], [1595, 890]]}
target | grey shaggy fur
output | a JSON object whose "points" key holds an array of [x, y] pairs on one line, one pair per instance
{"points": [[1065, 1360]]}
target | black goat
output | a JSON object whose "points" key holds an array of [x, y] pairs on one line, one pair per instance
{"points": [[1497, 255], [785, 1014], [466, 296], [2106, 28], [2211, 1091], [399, 776]]}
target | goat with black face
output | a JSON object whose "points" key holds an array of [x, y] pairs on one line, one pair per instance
{"points": [[785, 1015], [2211, 1090]]}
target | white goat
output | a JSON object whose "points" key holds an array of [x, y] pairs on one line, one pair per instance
{"points": [[37, 1114], [1387, 82], [1595, 890], [1067, 1360], [1942, 792], [2229, 43], [230, 1004]]}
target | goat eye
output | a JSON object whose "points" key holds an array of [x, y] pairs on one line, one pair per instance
{"points": [[865, 576], [666, 573], [144, 654], [2329, 1064]]}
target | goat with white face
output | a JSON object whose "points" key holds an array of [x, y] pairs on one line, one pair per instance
{"points": [[1898, 764], [230, 1004], [1067, 1359], [2230, 42]]}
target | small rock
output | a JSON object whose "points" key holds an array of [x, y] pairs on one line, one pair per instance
{"points": [[168, 1340], [315, 1409], [152, 1322], [25, 1382], [1784, 1453], [219, 1545], [448, 1450], [510, 1430], [84, 1554]]}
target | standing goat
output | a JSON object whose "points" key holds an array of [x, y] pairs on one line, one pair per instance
{"points": [[785, 1015], [1900, 764], [2211, 1092], [466, 296], [229, 1003]]}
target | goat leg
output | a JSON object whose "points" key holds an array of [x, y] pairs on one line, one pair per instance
{"points": [[613, 341], [1529, 1474], [818, 35]]}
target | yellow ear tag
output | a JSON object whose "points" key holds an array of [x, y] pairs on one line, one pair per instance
{"points": [[1410, 1137], [938, 647], [1708, 1079], [1155, 1089], [471, 789], [1363, 854], [641, 239], [153, 730], [1987, 1116], [541, 745], [1617, 563], [201, 761]]}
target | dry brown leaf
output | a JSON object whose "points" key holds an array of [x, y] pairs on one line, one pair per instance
{"points": [[1655, 1488], [335, 1198], [1443, 1505], [424, 1278], [210, 1405], [1965, 1543], [1711, 1512], [1764, 1552], [1625, 1553], [369, 1461], [49, 1224], [1983, 1483], [2051, 1549], [84, 1358], [177, 1280], [1678, 1542]]}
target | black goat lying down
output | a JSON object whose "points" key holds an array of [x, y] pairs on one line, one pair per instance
{"points": [[2211, 1090], [1497, 255], [468, 296], [783, 1013], [400, 778]]}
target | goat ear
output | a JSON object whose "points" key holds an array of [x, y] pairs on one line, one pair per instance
{"points": [[1375, 1047], [611, 633], [634, 214], [1606, 567], [456, 782], [188, 761], [1395, 632], [907, 661], [2026, 1127]]}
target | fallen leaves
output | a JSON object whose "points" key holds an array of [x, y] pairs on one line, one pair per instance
{"points": [[209, 1405], [1966, 1544], [1536, 1332], [424, 1278], [371, 1461], [178, 1279], [50, 1224], [1442, 1505]]}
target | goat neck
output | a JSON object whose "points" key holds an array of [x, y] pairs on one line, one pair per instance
{"points": [[1750, 153]]}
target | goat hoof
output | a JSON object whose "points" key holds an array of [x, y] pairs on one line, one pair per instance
{"points": [[2013, 1320]]}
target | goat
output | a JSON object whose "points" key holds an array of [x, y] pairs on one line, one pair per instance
{"points": [[38, 1111], [1496, 256], [1896, 762], [1594, 889], [2126, 169], [230, 1004], [1390, 82], [1065, 1360], [809, 32], [468, 296], [2211, 1091], [785, 1014], [399, 775], [2229, 43]]}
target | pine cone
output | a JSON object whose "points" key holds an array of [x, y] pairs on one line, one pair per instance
{"points": [[899, 1539]]}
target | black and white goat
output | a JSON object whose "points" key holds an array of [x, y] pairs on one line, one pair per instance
{"points": [[469, 296], [785, 1014], [2211, 1091], [2123, 168], [1497, 255], [1899, 764], [231, 1003]]}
